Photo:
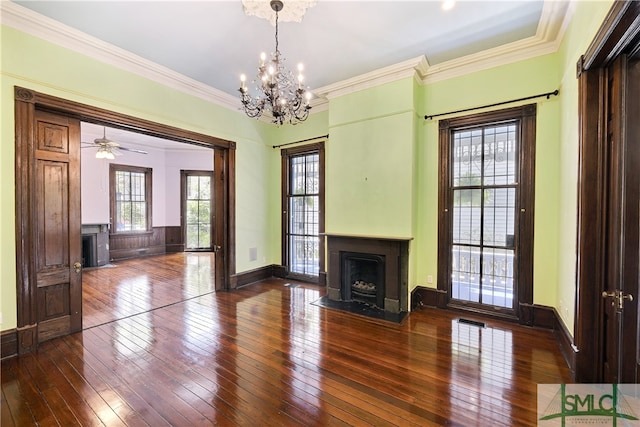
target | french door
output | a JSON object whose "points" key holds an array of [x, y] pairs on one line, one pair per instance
{"points": [[303, 211], [486, 211], [197, 209], [484, 193]]}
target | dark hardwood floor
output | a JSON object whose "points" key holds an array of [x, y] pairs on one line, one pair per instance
{"points": [[265, 355]]}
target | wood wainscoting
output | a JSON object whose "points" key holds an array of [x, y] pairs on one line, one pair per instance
{"points": [[174, 239], [158, 241]]}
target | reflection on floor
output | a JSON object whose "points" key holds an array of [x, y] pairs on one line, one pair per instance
{"points": [[138, 285], [265, 355]]}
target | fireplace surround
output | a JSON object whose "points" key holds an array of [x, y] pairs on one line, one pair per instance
{"points": [[368, 269]]}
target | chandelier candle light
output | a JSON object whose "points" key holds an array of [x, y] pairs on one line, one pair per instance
{"points": [[285, 96]]}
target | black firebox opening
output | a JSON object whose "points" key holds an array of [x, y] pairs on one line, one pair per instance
{"points": [[363, 278]]}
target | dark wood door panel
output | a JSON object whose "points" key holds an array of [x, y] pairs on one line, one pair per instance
{"points": [[57, 230], [53, 213]]}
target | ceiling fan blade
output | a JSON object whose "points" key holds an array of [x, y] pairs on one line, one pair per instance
{"points": [[133, 150]]}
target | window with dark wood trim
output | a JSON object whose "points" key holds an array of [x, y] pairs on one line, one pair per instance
{"points": [[486, 195], [130, 197], [197, 209], [303, 211]]}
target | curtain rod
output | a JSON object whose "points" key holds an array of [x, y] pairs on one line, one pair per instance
{"points": [[548, 95], [302, 140]]}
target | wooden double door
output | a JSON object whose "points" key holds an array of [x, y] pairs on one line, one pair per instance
{"points": [[608, 262], [48, 211], [622, 249]]}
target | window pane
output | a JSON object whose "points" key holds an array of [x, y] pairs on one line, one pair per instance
{"points": [[499, 155], [497, 278], [205, 188], [499, 216], [465, 273], [467, 211], [204, 235]]}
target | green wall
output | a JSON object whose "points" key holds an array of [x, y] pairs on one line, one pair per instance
{"points": [[381, 156], [498, 84], [33, 63], [587, 18]]}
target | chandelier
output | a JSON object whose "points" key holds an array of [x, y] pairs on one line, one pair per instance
{"points": [[279, 92]]}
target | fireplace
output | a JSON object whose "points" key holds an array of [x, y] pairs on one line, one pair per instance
{"points": [[369, 270], [362, 278]]}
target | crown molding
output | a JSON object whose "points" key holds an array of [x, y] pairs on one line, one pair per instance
{"points": [[30, 22], [401, 70], [554, 20]]}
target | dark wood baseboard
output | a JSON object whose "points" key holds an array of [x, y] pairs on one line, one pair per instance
{"points": [[174, 248], [280, 271], [121, 254], [8, 343], [422, 296], [322, 278], [247, 277], [539, 316], [565, 340]]}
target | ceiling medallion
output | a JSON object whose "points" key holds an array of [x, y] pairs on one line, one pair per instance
{"points": [[278, 90], [262, 9]]}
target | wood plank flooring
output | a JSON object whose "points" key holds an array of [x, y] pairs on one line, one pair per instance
{"points": [[265, 355]]}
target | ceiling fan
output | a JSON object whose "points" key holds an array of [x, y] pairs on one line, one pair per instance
{"points": [[108, 149]]}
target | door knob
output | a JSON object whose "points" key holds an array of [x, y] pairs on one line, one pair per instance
{"points": [[619, 298], [77, 266]]}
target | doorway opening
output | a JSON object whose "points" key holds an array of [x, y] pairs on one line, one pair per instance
{"points": [[132, 195], [48, 213]]}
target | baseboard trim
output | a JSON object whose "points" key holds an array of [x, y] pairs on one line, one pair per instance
{"points": [[8, 343], [539, 316], [247, 277], [422, 296], [565, 341]]}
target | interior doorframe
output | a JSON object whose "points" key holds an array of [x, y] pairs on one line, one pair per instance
{"points": [[618, 34], [26, 103]]}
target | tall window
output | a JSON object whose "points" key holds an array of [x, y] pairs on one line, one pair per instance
{"points": [[303, 204], [130, 199], [197, 205], [486, 231]]}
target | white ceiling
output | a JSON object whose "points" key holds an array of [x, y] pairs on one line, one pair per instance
{"points": [[90, 132], [342, 43], [213, 42]]}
